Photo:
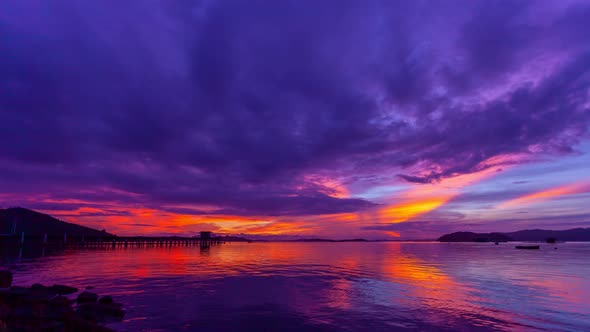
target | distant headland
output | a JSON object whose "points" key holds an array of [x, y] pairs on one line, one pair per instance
{"points": [[330, 240], [17, 220], [576, 234]]}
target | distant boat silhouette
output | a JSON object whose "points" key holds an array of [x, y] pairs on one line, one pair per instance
{"points": [[528, 247]]}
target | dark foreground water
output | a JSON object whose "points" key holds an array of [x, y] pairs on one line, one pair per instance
{"points": [[332, 286]]}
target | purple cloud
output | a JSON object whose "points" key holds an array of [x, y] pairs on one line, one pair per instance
{"points": [[233, 103]]}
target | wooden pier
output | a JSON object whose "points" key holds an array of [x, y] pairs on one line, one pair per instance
{"points": [[69, 241]]}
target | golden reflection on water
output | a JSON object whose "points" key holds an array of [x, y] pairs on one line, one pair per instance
{"points": [[440, 285]]}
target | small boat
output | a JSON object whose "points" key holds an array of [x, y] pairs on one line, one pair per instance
{"points": [[528, 247]]}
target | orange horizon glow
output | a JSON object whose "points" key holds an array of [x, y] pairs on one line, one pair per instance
{"points": [[407, 205]]}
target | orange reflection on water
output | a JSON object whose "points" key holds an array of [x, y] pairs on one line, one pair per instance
{"points": [[412, 270], [340, 292], [439, 284], [434, 288], [571, 290]]}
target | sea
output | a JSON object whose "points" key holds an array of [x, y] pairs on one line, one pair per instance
{"points": [[325, 286]]}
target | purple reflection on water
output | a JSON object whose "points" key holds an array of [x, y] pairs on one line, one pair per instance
{"points": [[332, 286]]}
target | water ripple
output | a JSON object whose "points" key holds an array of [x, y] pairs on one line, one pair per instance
{"points": [[332, 286]]}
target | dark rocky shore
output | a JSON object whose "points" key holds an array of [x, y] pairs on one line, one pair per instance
{"points": [[48, 309]]}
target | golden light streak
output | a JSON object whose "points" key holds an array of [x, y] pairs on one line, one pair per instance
{"points": [[405, 211], [548, 194], [392, 233], [280, 228], [423, 198]]}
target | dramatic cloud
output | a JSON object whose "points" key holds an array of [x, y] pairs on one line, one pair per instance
{"points": [[279, 108]]}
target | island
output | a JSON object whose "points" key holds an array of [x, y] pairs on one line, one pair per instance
{"points": [[475, 237], [533, 235]]}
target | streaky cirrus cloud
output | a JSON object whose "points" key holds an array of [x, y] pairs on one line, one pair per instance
{"points": [[581, 187], [258, 108]]}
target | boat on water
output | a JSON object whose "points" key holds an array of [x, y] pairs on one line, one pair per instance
{"points": [[528, 247]]}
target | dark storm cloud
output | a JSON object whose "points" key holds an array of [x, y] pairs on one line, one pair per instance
{"points": [[232, 103]]}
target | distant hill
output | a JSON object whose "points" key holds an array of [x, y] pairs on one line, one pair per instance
{"points": [[475, 237], [231, 238], [37, 224], [576, 234], [329, 240]]}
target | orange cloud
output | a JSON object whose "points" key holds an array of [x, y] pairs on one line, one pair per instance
{"points": [[122, 220], [273, 228], [548, 194], [416, 200], [328, 186], [423, 198], [405, 205], [392, 233], [405, 211]]}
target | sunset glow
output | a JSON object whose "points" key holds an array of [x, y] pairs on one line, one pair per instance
{"points": [[356, 125], [291, 165]]}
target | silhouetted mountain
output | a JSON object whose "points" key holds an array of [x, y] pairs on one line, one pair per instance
{"points": [[329, 240], [315, 240], [474, 237], [37, 224], [231, 238], [576, 234]]}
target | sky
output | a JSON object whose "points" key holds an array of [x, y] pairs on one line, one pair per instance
{"points": [[378, 119]]}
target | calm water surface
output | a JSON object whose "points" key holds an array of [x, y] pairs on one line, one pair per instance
{"points": [[332, 286]]}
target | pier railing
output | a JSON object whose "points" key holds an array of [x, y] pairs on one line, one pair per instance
{"points": [[73, 241]]}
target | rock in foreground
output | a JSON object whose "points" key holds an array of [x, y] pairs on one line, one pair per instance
{"points": [[5, 278], [41, 308]]}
